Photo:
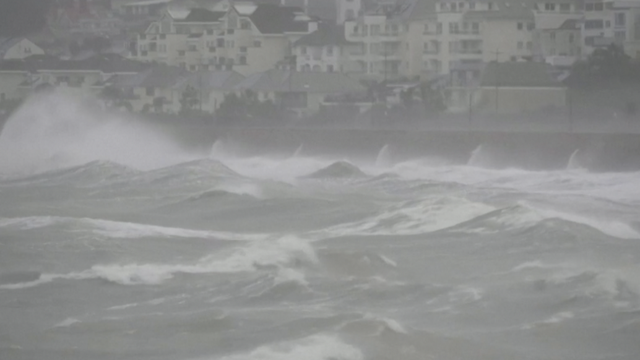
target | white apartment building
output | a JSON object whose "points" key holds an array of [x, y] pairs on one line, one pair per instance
{"points": [[347, 10], [428, 38], [606, 22], [247, 38], [379, 34], [325, 50]]}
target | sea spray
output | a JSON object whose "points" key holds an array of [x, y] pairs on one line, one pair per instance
{"points": [[56, 131]]}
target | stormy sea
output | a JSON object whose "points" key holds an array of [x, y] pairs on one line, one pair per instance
{"points": [[116, 242]]}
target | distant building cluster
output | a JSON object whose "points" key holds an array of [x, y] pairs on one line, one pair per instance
{"points": [[155, 48]]}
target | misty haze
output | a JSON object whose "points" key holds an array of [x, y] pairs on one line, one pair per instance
{"points": [[320, 179]]}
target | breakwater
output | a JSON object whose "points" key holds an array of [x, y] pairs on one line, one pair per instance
{"points": [[533, 150]]}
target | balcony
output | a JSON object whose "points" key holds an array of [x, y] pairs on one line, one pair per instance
{"points": [[469, 51]]}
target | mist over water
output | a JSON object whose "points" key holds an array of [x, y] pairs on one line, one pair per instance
{"points": [[56, 131], [115, 242]]}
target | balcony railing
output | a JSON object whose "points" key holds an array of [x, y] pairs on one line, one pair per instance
{"points": [[469, 51]]}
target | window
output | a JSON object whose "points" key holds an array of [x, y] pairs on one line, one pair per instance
{"points": [[163, 36], [257, 43], [529, 45], [475, 28], [571, 38], [550, 7], [220, 43], [303, 50], [192, 68], [426, 29], [607, 24], [520, 26], [193, 48], [181, 53], [329, 68], [472, 5], [230, 31], [454, 7], [439, 29], [598, 7], [242, 60], [593, 24], [588, 7], [619, 19], [565, 7], [589, 40], [531, 26], [209, 31], [330, 51], [552, 35], [149, 91], [620, 35], [520, 45], [243, 49], [375, 30], [245, 24]]}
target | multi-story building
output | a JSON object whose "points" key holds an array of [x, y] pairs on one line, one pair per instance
{"points": [[325, 50], [379, 34], [609, 22], [347, 10], [247, 38], [176, 38], [429, 38]]}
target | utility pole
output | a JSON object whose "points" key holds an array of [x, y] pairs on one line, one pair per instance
{"points": [[570, 109], [497, 79]]}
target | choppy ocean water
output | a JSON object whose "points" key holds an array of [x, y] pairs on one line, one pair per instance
{"points": [[305, 256]]}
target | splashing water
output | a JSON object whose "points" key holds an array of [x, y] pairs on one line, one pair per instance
{"points": [[56, 131], [384, 157]]}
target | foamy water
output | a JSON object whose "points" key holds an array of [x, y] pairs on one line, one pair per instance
{"points": [[117, 243]]}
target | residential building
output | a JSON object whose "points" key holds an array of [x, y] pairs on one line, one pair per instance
{"points": [[302, 92], [257, 36], [520, 87], [247, 38], [607, 22], [347, 10], [19, 78], [325, 50], [160, 88], [18, 48], [176, 38], [560, 47], [379, 34]]}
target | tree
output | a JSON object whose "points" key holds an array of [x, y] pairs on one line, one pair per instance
{"points": [[604, 66], [189, 100], [158, 104]]}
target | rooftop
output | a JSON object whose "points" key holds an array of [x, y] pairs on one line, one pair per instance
{"points": [[311, 82], [325, 35], [519, 74]]}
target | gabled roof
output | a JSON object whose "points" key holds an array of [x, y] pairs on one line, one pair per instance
{"points": [[570, 24], [505, 10], [519, 74], [7, 43], [273, 19], [106, 63], [310, 82], [202, 16], [211, 80], [325, 35]]}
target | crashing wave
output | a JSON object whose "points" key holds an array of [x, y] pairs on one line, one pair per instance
{"points": [[339, 169]]}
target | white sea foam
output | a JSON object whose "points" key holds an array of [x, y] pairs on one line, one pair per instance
{"points": [[387, 323], [609, 227], [317, 347], [67, 322], [122, 230], [416, 217], [281, 253]]}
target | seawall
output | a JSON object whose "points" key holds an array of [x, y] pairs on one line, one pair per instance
{"points": [[531, 150]]}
